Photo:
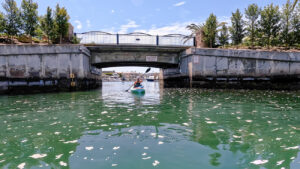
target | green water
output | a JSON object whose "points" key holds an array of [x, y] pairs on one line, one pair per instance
{"points": [[165, 128]]}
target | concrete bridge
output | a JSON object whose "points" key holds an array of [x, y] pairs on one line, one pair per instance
{"points": [[103, 56], [77, 67]]}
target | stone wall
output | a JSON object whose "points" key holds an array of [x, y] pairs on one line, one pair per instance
{"points": [[62, 67]]}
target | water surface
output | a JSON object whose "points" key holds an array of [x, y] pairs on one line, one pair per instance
{"points": [[165, 128]]}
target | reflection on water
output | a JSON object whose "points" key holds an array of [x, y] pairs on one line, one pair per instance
{"points": [[165, 128]]}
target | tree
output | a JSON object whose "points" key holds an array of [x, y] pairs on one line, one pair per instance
{"points": [[29, 17], [295, 3], [197, 32], [295, 26], [224, 36], [210, 30], [237, 28], [48, 25], [269, 24], [286, 17], [12, 17], [62, 22], [252, 14], [2, 22]]}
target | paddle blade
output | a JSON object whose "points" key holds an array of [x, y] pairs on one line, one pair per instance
{"points": [[148, 70]]}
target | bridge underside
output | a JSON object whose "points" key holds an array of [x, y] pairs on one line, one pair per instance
{"points": [[139, 64], [103, 56]]}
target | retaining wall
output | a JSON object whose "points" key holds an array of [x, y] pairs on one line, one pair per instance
{"points": [[54, 67]]}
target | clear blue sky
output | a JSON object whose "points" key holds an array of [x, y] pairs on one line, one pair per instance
{"points": [[150, 16]]}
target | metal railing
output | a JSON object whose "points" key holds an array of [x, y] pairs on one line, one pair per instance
{"points": [[137, 38]]}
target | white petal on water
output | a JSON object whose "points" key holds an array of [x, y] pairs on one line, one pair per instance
{"points": [[155, 163], [104, 125], [21, 166], [58, 156], [220, 130], [2, 161], [146, 148], [39, 134], [85, 158], [186, 124], [89, 148], [260, 140], [91, 122], [234, 136], [56, 133], [259, 162], [292, 148], [278, 139], [104, 112], [1, 154], [71, 142], [144, 154], [116, 148], [292, 158], [210, 122], [160, 142], [248, 121], [113, 165], [160, 136], [280, 162], [37, 156], [153, 134], [63, 163], [146, 158], [24, 141]]}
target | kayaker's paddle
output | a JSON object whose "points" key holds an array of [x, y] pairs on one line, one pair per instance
{"points": [[148, 70]]}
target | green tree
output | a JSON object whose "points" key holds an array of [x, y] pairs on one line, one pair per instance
{"points": [[237, 27], [62, 22], [270, 24], [48, 25], [12, 17], [295, 26], [224, 36], [210, 30], [2, 22], [286, 17], [252, 13], [29, 17]]}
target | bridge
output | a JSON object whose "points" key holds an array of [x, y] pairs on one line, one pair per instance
{"points": [[134, 49]]}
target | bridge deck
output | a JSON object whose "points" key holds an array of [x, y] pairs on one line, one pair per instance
{"points": [[135, 48]]}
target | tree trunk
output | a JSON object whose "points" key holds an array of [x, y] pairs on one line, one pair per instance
{"points": [[30, 39], [60, 39]]}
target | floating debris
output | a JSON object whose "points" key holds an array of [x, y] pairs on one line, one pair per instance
{"points": [[71, 142], [21, 166], [58, 156], [37, 156], [155, 163], [89, 148], [63, 163], [259, 162]]}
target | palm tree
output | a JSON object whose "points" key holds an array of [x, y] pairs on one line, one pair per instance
{"points": [[195, 29]]}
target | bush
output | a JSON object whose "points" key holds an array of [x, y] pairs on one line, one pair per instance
{"points": [[24, 39]]}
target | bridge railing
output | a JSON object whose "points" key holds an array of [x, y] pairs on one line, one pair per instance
{"points": [[103, 38]]}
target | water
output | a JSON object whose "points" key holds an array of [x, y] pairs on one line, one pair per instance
{"points": [[165, 128]]}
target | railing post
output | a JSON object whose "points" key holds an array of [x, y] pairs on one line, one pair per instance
{"points": [[195, 41], [157, 40], [118, 39]]}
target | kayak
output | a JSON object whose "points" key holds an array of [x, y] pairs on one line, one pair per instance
{"points": [[139, 89]]}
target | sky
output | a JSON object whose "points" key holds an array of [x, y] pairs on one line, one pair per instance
{"points": [[156, 17]]}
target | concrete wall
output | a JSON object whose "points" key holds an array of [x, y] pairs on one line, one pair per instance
{"points": [[238, 69], [39, 65]]}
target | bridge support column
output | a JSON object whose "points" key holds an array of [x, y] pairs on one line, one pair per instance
{"points": [[172, 77]]}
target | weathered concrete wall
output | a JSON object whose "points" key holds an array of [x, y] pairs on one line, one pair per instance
{"points": [[45, 66], [239, 69], [111, 56]]}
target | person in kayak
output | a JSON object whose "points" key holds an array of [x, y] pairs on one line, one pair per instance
{"points": [[138, 82]]}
